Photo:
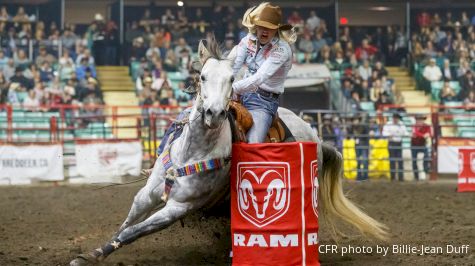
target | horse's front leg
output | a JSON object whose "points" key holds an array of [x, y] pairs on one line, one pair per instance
{"points": [[158, 221]]}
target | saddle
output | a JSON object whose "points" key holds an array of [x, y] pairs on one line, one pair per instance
{"points": [[241, 121]]}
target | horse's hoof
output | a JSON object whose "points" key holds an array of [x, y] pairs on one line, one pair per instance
{"points": [[87, 259]]}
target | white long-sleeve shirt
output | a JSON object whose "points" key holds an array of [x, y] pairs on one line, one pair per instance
{"points": [[395, 132], [267, 66]]}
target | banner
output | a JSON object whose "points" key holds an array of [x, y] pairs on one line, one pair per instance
{"points": [[107, 160], [447, 159], [274, 204], [21, 163], [466, 178]]}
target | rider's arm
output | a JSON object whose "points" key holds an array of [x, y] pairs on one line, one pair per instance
{"points": [[240, 55], [278, 56]]}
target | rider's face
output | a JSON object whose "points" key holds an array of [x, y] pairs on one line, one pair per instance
{"points": [[264, 35]]}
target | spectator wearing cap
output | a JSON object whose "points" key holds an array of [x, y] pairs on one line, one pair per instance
{"points": [[44, 56], [138, 50], [421, 132], [395, 131], [21, 79], [91, 91]]}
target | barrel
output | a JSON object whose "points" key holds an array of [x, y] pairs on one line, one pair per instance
{"points": [[274, 200]]}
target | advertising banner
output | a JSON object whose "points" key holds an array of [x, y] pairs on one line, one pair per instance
{"points": [[466, 178], [274, 204], [21, 163]]}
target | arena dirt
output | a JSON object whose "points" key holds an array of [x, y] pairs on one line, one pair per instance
{"points": [[51, 225]]}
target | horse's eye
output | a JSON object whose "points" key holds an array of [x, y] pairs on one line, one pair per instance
{"points": [[232, 79], [202, 78]]}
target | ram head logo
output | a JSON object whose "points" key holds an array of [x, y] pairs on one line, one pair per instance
{"points": [[315, 186], [263, 192]]}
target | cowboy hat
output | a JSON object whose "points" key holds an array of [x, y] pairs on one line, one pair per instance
{"points": [[264, 15], [271, 17], [421, 116]]}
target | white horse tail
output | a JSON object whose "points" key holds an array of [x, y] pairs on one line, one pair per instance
{"points": [[333, 202]]}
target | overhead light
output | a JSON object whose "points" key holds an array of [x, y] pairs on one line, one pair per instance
{"points": [[380, 8], [180, 3]]}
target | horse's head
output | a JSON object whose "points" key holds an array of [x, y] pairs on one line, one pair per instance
{"points": [[216, 79]]}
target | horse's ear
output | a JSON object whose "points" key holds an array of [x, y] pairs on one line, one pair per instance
{"points": [[203, 52]]}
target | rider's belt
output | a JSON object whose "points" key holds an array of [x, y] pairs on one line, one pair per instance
{"points": [[268, 94]]}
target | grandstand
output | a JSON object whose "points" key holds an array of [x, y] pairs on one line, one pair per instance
{"points": [[105, 70]]}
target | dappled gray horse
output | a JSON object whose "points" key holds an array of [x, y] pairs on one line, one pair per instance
{"points": [[207, 138]]}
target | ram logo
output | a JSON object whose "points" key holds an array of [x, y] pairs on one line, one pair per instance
{"points": [[314, 179], [263, 191]]}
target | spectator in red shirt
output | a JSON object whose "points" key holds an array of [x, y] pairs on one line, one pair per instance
{"points": [[423, 19], [420, 133], [366, 51]]}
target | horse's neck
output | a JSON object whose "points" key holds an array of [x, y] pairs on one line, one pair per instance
{"points": [[198, 142]]}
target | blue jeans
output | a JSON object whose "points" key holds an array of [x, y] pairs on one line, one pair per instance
{"points": [[263, 110], [415, 150], [363, 160]]}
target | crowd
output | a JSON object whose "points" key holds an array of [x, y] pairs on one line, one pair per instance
{"points": [[62, 69], [446, 46], [360, 129]]}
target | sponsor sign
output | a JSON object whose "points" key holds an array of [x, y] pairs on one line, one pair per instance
{"points": [[104, 161], [448, 154], [466, 177], [274, 204], [21, 163]]}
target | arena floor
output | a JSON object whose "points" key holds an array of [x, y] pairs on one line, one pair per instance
{"points": [[50, 225]]}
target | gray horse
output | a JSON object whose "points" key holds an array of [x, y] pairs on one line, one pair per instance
{"points": [[206, 136]]}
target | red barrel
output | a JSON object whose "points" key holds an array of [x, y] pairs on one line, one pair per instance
{"points": [[466, 177], [274, 216]]}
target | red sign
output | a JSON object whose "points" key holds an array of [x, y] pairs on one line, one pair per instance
{"points": [[274, 199], [466, 178]]}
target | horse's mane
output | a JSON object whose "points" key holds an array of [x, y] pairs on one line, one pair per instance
{"points": [[213, 48]]}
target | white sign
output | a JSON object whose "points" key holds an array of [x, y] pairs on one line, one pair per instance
{"points": [[448, 159], [303, 75], [21, 163], [104, 161]]}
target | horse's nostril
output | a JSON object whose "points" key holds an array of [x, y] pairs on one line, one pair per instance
{"points": [[223, 113], [208, 112]]}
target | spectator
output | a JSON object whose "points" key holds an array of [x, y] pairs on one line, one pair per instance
{"points": [[46, 72], [4, 84], [463, 68], [69, 38], [20, 59], [65, 58], [401, 46], [421, 132], [3, 59], [31, 103], [467, 84], [431, 73], [469, 102], [328, 132], [111, 42], [4, 16], [360, 133], [347, 88], [306, 46], [423, 19], [378, 66], [395, 130], [21, 16], [91, 112], [9, 69], [365, 70], [365, 51], [44, 56], [382, 100], [19, 78], [313, 21], [447, 94], [85, 54], [91, 92], [355, 102], [448, 73], [66, 71]]}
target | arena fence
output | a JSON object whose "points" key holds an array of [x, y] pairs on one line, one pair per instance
{"points": [[366, 155]]}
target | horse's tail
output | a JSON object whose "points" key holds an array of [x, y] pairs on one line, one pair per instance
{"points": [[334, 204]]}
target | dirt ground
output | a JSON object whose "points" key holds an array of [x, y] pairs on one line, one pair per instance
{"points": [[51, 225]]}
